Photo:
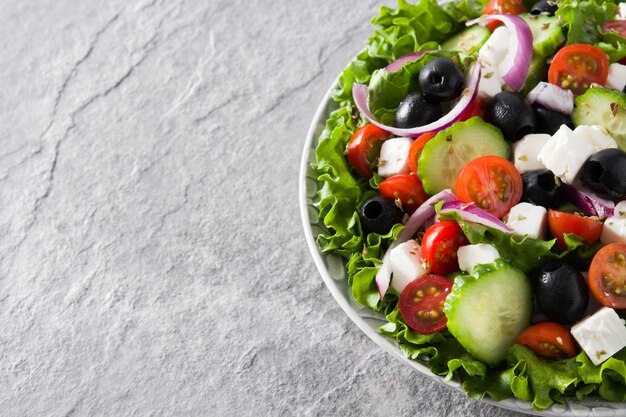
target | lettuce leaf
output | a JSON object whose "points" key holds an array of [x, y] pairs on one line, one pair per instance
{"points": [[583, 19]]}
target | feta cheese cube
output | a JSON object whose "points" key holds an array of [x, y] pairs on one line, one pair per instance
{"points": [[614, 230], [406, 264], [490, 81], [565, 153], [621, 12], [471, 255], [496, 48], [596, 136], [620, 209], [617, 77], [394, 157], [528, 219], [601, 335], [526, 151]]}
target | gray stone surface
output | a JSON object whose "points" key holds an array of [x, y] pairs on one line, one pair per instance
{"points": [[152, 261]]}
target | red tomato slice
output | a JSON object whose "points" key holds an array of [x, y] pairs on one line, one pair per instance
{"points": [[421, 303], [607, 276], [503, 7], [416, 149], [440, 245], [364, 147], [476, 109], [406, 188], [549, 340], [492, 182], [561, 223], [577, 66]]}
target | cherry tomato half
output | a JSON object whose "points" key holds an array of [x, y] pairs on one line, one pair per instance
{"points": [[440, 244], [503, 7], [561, 223], [607, 276], [492, 182], [421, 303], [549, 340], [364, 147], [577, 66], [416, 149], [406, 188]]}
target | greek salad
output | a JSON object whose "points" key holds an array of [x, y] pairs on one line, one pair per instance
{"points": [[474, 179]]}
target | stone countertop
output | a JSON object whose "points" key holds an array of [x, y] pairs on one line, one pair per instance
{"points": [[152, 259]]}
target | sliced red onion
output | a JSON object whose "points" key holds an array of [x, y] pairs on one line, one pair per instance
{"points": [[514, 68], [360, 93], [552, 97], [591, 204], [399, 63], [412, 225], [473, 214]]}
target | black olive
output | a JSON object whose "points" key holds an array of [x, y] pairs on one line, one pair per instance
{"points": [[561, 292], [441, 79], [624, 89], [511, 114], [542, 188], [379, 214], [549, 121], [547, 6], [605, 173], [416, 110]]}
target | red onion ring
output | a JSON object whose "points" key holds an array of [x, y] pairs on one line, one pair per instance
{"points": [[591, 204], [399, 63], [514, 68], [360, 93], [469, 212], [552, 97], [412, 225]]}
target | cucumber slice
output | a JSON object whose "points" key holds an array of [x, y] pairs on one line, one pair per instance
{"points": [[488, 309], [468, 41], [607, 108], [447, 153], [547, 34]]}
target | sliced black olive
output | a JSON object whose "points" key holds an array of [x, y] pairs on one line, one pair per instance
{"points": [[542, 188], [549, 121], [605, 173], [545, 6], [379, 214], [416, 110], [561, 292], [441, 79], [511, 114]]}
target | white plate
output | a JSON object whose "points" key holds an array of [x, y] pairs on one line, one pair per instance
{"points": [[332, 270]]}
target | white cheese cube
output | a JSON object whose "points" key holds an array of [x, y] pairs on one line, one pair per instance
{"points": [[528, 219], [614, 230], [406, 264], [601, 335], [596, 136], [490, 82], [496, 48], [620, 209], [565, 153], [394, 157], [617, 77], [526, 151], [471, 255]]}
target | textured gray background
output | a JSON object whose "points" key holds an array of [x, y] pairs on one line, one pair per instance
{"points": [[152, 260]]}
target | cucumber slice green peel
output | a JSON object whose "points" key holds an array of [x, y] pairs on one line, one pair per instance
{"points": [[447, 153], [607, 108], [488, 309]]}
